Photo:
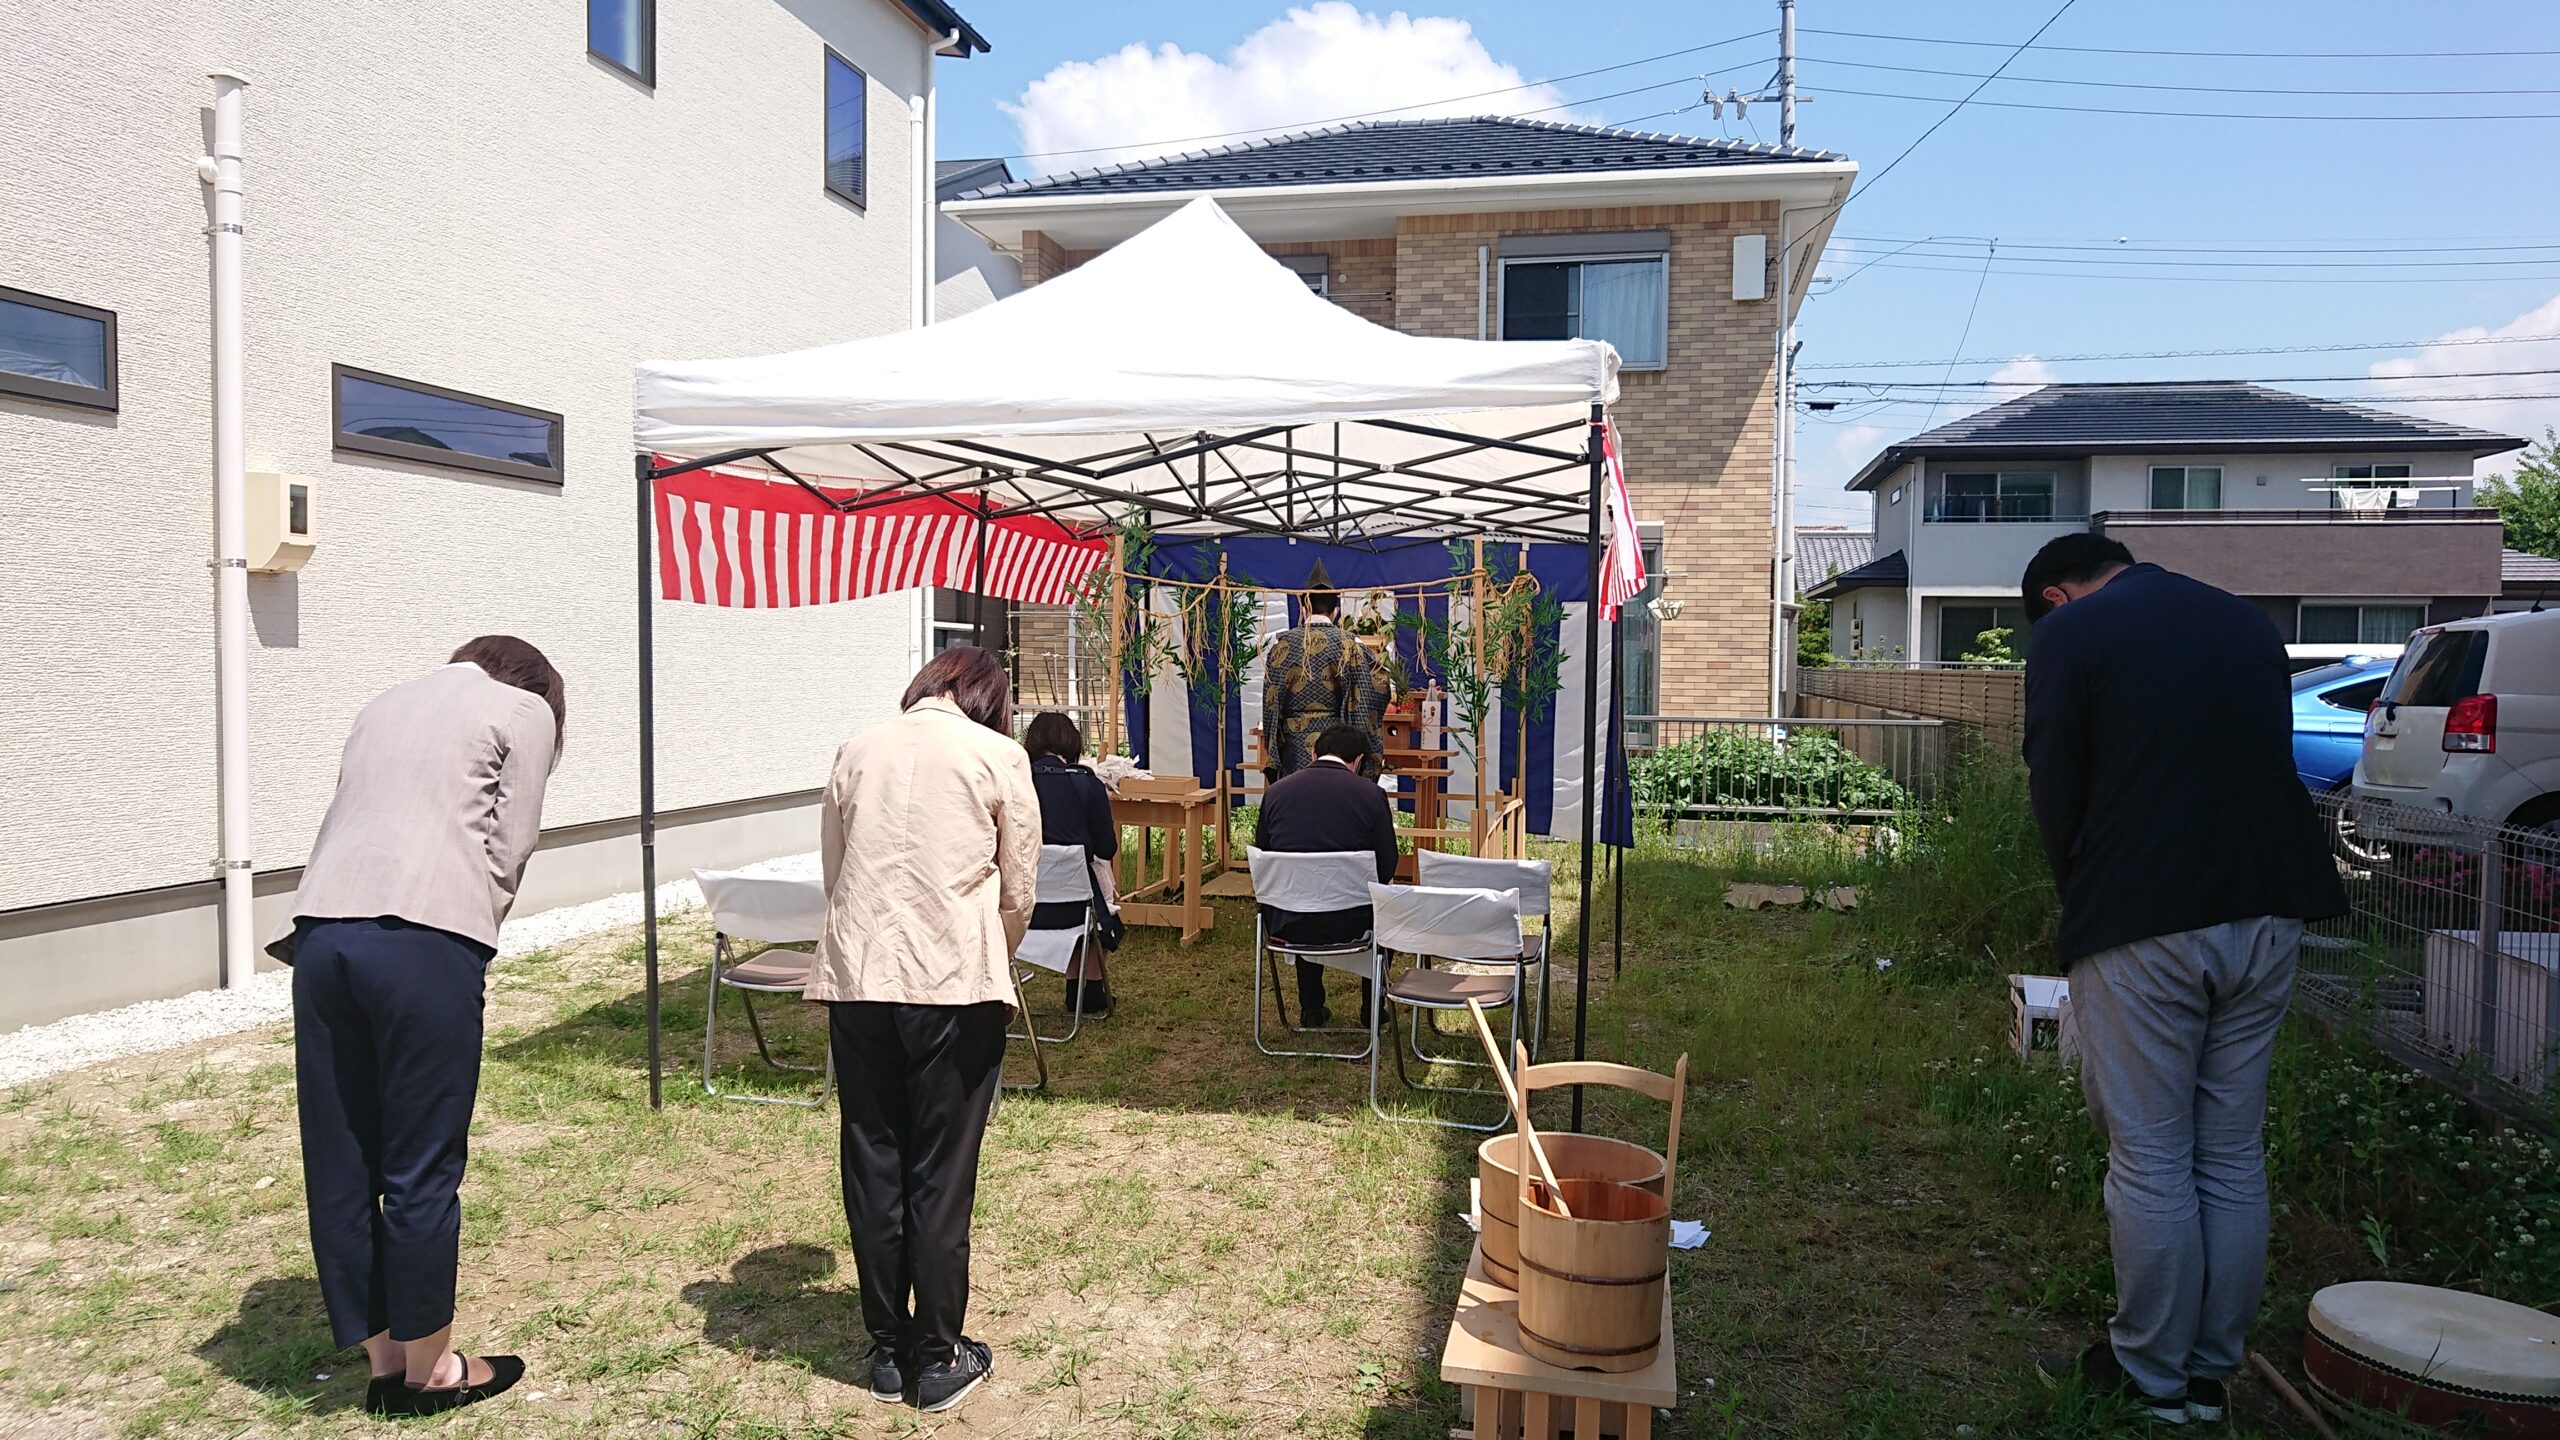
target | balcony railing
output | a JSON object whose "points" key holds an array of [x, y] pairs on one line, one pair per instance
{"points": [[2419, 515], [2012, 514]]}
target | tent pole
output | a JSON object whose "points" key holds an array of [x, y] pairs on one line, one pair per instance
{"points": [[1590, 758], [978, 588], [649, 783], [1117, 610], [1477, 815], [1226, 682], [1618, 778]]}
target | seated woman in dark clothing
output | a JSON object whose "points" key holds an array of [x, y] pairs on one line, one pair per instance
{"points": [[1075, 809]]}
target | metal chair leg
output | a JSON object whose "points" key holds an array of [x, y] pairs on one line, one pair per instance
{"points": [[748, 999], [711, 1032], [1265, 959], [1381, 1110], [1039, 1058]]}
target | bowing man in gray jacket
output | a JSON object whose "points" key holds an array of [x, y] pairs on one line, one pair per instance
{"points": [[438, 805]]}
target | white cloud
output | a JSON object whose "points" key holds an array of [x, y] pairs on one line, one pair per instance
{"points": [[2022, 373], [2437, 368], [1311, 65]]}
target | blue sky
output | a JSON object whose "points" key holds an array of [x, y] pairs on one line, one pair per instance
{"points": [[2386, 198]]}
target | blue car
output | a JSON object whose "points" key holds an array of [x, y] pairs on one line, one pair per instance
{"points": [[2329, 706]]}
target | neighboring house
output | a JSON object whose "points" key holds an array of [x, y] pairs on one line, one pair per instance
{"points": [[967, 271], [1823, 551], [2350, 526], [460, 236], [1667, 247], [2527, 581]]}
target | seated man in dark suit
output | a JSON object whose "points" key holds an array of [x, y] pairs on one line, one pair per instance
{"points": [[1327, 806]]}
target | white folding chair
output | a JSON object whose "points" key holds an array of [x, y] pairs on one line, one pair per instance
{"points": [[1474, 926], [1321, 882], [1065, 878], [776, 914], [1534, 879]]}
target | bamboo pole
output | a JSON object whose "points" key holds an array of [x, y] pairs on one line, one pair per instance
{"points": [[1479, 821]]}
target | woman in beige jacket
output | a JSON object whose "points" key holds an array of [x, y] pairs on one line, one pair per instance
{"points": [[930, 841]]}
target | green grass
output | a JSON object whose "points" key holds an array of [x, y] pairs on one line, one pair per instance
{"points": [[1181, 1238]]}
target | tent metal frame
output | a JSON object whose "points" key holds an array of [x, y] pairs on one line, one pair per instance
{"points": [[1291, 491]]}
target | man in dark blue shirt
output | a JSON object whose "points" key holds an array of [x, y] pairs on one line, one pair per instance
{"points": [[2159, 738]]}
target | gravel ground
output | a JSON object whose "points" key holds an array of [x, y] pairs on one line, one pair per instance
{"points": [[85, 1040]]}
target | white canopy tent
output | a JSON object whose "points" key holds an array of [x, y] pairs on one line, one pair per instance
{"points": [[1184, 373]]}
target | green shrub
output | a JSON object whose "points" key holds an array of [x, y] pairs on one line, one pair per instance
{"points": [[1804, 770]]}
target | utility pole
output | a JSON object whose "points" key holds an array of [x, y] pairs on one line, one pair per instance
{"points": [[1786, 72]]}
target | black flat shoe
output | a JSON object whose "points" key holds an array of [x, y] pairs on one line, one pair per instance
{"points": [[504, 1372], [385, 1393]]}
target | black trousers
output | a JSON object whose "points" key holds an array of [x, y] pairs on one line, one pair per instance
{"points": [[916, 1083], [386, 1049], [1339, 927]]}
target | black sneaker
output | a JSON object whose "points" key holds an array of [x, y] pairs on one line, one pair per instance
{"points": [[2101, 1373], [888, 1377], [2206, 1401], [1097, 999], [942, 1386]]}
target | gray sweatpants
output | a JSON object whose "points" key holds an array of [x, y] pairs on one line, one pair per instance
{"points": [[2176, 1035]]}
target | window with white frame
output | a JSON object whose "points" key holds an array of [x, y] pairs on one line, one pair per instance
{"points": [[952, 619], [1962, 624], [1623, 299], [2358, 622], [2186, 487], [1641, 685], [1992, 496]]}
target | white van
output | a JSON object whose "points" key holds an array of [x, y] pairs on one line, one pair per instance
{"points": [[2468, 725]]}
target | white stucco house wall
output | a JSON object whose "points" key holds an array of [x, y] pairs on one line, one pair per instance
{"points": [[479, 197]]}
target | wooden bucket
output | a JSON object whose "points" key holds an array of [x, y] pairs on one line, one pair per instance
{"points": [[1576, 1157], [1592, 1285]]}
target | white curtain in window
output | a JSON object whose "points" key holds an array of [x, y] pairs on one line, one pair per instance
{"points": [[1622, 304]]}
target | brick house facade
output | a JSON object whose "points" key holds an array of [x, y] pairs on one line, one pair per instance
{"points": [[1699, 430]]}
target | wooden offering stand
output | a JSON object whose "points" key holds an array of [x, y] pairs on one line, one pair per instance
{"points": [[1187, 812]]}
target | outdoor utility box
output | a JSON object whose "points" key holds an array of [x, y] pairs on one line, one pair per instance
{"points": [[280, 521], [1750, 267]]}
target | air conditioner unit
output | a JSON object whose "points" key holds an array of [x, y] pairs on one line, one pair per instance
{"points": [[280, 521]]}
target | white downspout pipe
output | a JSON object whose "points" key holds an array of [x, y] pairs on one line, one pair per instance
{"points": [[221, 170], [920, 177], [1484, 275], [1782, 502]]}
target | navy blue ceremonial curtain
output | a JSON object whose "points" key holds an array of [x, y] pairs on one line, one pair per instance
{"points": [[1174, 732]]}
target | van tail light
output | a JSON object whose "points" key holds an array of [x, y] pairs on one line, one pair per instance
{"points": [[2471, 725]]}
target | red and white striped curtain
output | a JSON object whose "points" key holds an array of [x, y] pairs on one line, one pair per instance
{"points": [[743, 541]]}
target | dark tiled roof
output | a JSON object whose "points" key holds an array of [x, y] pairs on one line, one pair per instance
{"points": [[2515, 568], [1885, 572], [2178, 415], [1821, 554], [941, 19], [955, 177], [1379, 150]]}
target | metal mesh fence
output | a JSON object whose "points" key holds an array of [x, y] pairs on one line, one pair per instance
{"points": [[1693, 766], [2449, 957]]}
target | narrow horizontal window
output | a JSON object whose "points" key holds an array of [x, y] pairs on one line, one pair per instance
{"points": [[847, 173], [406, 420], [624, 34], [55, 350]]}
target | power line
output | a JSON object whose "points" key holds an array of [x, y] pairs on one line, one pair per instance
{"points": [[2234, 247], [2252, 380], [1989, 251], [2499, 279], [2118, 262], [2364, 92], [1419, 104], [2340, 399], [2202, 54], [1897, 160], [2161, 114], [2189, 354]]}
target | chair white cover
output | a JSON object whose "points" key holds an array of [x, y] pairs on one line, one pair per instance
{"points": [[766, 908], [1063, 876], [1532, 878], [1313, 882], [1449, 924], [1063, 879]]}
